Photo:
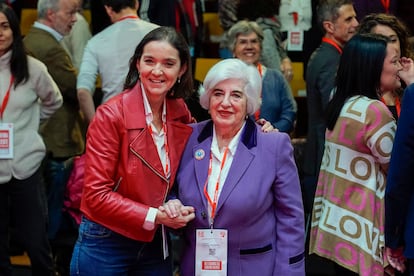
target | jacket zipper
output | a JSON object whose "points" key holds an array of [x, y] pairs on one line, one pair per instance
{"points": [[155, 171]]}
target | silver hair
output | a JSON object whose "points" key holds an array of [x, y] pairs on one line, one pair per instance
{"points": [[244, 27], [233, 68], [44, 5]]}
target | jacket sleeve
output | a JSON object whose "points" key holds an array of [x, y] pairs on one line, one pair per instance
{"points": [[103, 152], [46, 89], [400, 189], [290, 233], [288, 105]]}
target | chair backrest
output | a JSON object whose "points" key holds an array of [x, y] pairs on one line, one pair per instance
{"points": [[202, 65], [27, 18], [297, 84], [212, 23]]}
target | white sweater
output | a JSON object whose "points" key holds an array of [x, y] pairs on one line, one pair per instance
{"points": [[36, 99]]}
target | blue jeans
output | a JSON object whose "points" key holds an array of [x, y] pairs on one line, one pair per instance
{"points": [[100, 251], [56, 176]]}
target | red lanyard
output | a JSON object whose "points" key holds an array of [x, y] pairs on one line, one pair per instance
{"points": [[128, 17], [167, 151], [386, 5], [213, 203], [397, 105], [333, 43], [295, 18], [6, 98], [257, 113]]}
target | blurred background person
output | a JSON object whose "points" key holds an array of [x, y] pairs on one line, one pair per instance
{"points": [[240, 180], [75, 42], [352, 179], [278, 105], [62, 133], [399, 194], [28, 95], [134, 146], [274, 54], [110, 62], [390, 26], [337, 19]]}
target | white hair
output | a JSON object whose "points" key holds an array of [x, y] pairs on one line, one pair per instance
{"points": [[233, 68]]}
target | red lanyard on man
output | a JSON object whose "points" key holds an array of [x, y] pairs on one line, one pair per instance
{"points": [[213, 202], [386, 5], [6, 98], [333, 43], [128, 17]]}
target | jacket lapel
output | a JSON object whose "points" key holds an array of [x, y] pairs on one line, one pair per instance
{"points": [[241, 162], [245, 154], [142, 144], [201, 166], [177, 136]]}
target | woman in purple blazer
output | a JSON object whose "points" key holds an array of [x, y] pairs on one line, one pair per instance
{"points": [[243, 184]]}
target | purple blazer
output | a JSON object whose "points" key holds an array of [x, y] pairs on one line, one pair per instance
{"points": [[260, 204]]}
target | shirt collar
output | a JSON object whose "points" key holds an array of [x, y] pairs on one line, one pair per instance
{"points": [[147, 108], [233, 143], [48, 29]]}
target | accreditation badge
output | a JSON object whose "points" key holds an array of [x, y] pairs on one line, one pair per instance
{"points": [[295, 39], [6, 141], [211, 252]]}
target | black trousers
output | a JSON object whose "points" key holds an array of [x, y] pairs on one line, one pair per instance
{"points": [[23, 202]]}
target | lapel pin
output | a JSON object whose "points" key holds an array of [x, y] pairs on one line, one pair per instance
{"points": [[199, 154]]}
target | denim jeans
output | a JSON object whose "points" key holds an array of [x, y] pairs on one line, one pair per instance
{"points": [[100, 251], [56, 176]]}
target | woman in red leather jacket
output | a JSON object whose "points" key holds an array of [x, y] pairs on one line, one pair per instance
{"points": [[134, 146]]}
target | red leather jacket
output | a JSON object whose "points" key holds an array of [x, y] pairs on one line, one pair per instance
{"points": [[124, 175]]}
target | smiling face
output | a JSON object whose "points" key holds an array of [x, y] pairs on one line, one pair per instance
{"points": [[6, 34], [247, 48], [159, 68], [392, 66], [228, 104]]}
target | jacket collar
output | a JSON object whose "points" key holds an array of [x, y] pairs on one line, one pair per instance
{"points": [[134, 106], [246, 152], [249, 136]]}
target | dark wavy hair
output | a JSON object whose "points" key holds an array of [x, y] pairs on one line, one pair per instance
{"points": [[18, 61], [372, 20], [359, 72], [182, 89]]}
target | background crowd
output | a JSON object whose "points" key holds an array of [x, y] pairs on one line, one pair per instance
{"points": [[161, 151]]}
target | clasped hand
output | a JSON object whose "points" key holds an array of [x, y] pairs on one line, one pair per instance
{"points": [[396, 258], [174, 214]]}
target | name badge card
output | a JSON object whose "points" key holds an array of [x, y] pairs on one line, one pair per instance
{"points": [[211, 252], [295, 39], [6, 141]]}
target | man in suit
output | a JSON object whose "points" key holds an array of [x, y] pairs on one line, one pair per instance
{"points": [[399, 193], [337, 19], [61, 133]]}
